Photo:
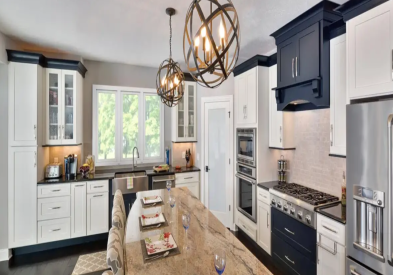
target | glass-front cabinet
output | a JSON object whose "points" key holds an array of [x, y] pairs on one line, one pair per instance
{"points": [[63, 105], [184, 116]]}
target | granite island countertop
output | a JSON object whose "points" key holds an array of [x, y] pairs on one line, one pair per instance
{"points": [[205, 234], [108, 174]]}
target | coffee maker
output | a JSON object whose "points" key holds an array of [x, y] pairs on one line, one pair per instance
{"points": [[70, 166]]}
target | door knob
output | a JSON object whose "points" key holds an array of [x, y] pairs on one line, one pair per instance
{"points": [[207, 168]]}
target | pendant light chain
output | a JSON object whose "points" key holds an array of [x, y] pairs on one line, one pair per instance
{"points": [[170, 36]]}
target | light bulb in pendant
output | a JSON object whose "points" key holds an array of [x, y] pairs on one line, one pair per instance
{"points": [[163, 81], [176, 81]]}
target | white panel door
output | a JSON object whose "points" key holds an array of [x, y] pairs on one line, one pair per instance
{"points": [[22, 196], [216, 157], [252, 98], [78, 209], [23, 96], [369, 49], [338, 95], [264, 230], [97, 213], [275, 117]]}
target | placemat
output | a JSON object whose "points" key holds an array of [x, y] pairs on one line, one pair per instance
{"points": [[172, 252], [164, 224], [151, 205]]}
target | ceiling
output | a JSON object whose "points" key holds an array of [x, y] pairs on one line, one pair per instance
{"points": [[135, 31]]}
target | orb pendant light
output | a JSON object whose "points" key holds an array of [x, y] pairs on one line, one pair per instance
{"points": [[211, 41], [170, 78]]}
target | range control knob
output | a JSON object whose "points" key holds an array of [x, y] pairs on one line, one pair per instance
{"points": [[379, 202], [292, 211], [308, 219], [285, 207], [273, 201], [300, 215], [279, 204]]}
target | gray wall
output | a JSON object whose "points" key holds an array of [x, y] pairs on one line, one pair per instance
{"points": [[4, 160], [115, 74]]}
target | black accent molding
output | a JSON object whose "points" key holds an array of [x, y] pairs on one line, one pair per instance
{"points": [[337, 28], [188, 77], [258, 60], [354, 8], [40, 59], [283, 149], [337, 156], [58, 244], [68, 145], [324, 10]]}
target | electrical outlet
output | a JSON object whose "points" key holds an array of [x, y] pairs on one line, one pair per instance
{"points": [[183, 155]]}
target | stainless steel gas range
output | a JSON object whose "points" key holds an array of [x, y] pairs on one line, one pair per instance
{"points": [[293, 224], [299, 202]]}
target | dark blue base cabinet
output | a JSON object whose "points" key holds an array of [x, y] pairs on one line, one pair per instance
{"points": [[293, 245]]}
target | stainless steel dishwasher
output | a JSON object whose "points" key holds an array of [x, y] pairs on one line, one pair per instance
{"points": [[159, 182], [140, 181]]}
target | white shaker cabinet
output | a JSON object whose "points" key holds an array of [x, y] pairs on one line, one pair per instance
{"points": [[369, 52], [22, 196], [189, 180], [281, 124], [184, 115], [78, 209], [264, 230], [24, 101], [246, 98], [97, 213], [338, 96], [63, 106]]}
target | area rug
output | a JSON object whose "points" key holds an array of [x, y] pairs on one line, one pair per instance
{"points": [[90, 263]]}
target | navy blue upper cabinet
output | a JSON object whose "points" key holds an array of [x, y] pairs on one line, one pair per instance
{"points": [[303, 58]]}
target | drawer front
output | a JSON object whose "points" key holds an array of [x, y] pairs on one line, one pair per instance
{"points": [[187, 177], [54, 190], [263, 195], [53, 230], [294, 262], [54, 208], [355, 268], [300, 236], [97, 186], [331, 229], [244, 226]]}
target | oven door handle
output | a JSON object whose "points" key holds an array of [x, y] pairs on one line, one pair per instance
{"points": [[250, 180]]}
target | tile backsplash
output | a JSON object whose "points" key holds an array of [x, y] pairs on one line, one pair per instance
{"points": [[178, 149], [61, 151], [310, 164]]}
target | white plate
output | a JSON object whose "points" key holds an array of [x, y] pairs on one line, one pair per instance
{"points": [[151, 219], [152, 199], [158, 243]]}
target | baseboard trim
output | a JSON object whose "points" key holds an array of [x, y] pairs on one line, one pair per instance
{"points": [[5, 255]]}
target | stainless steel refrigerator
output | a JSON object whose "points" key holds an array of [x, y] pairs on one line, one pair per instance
{"points": [[369, 188]]}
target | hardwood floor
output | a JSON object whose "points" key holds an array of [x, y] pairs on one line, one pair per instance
{"points": [[62, 261], [258, 252], [59, 261]]}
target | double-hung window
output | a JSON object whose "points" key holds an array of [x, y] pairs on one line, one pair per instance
{"points": [[124, 118]]}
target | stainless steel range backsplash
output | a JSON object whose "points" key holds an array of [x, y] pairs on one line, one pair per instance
{"points": [[310, 164]]}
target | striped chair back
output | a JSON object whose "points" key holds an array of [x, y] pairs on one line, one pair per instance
{"points": [[115, 252]]}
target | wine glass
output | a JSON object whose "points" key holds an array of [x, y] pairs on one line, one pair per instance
{"points": [[220, 260], [169, 185], [172, 203], [186, 219]]}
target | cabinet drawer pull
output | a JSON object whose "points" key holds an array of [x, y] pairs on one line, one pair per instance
{"points": [[289, 231], [245, 227], [353, 271], [331, 230], [97, 196], [79, 185], [286, 257], [101, 186], [188, 178], [57, 190], [293, 62], [58, 229], [54, 208]]}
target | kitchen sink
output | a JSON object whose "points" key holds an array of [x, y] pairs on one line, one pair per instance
{"points": [[132, 174], [139, 180]]}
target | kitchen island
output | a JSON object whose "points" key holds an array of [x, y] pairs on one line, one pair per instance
{"points": [[206, 233]]}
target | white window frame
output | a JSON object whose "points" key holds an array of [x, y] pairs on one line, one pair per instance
{"points": [[119, 91]]}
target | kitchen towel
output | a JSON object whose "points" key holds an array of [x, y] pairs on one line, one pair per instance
{"points": [[130, 183]]}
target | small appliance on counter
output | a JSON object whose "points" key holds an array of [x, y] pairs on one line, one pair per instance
{"points": [[54, 170], [70, 166]]}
